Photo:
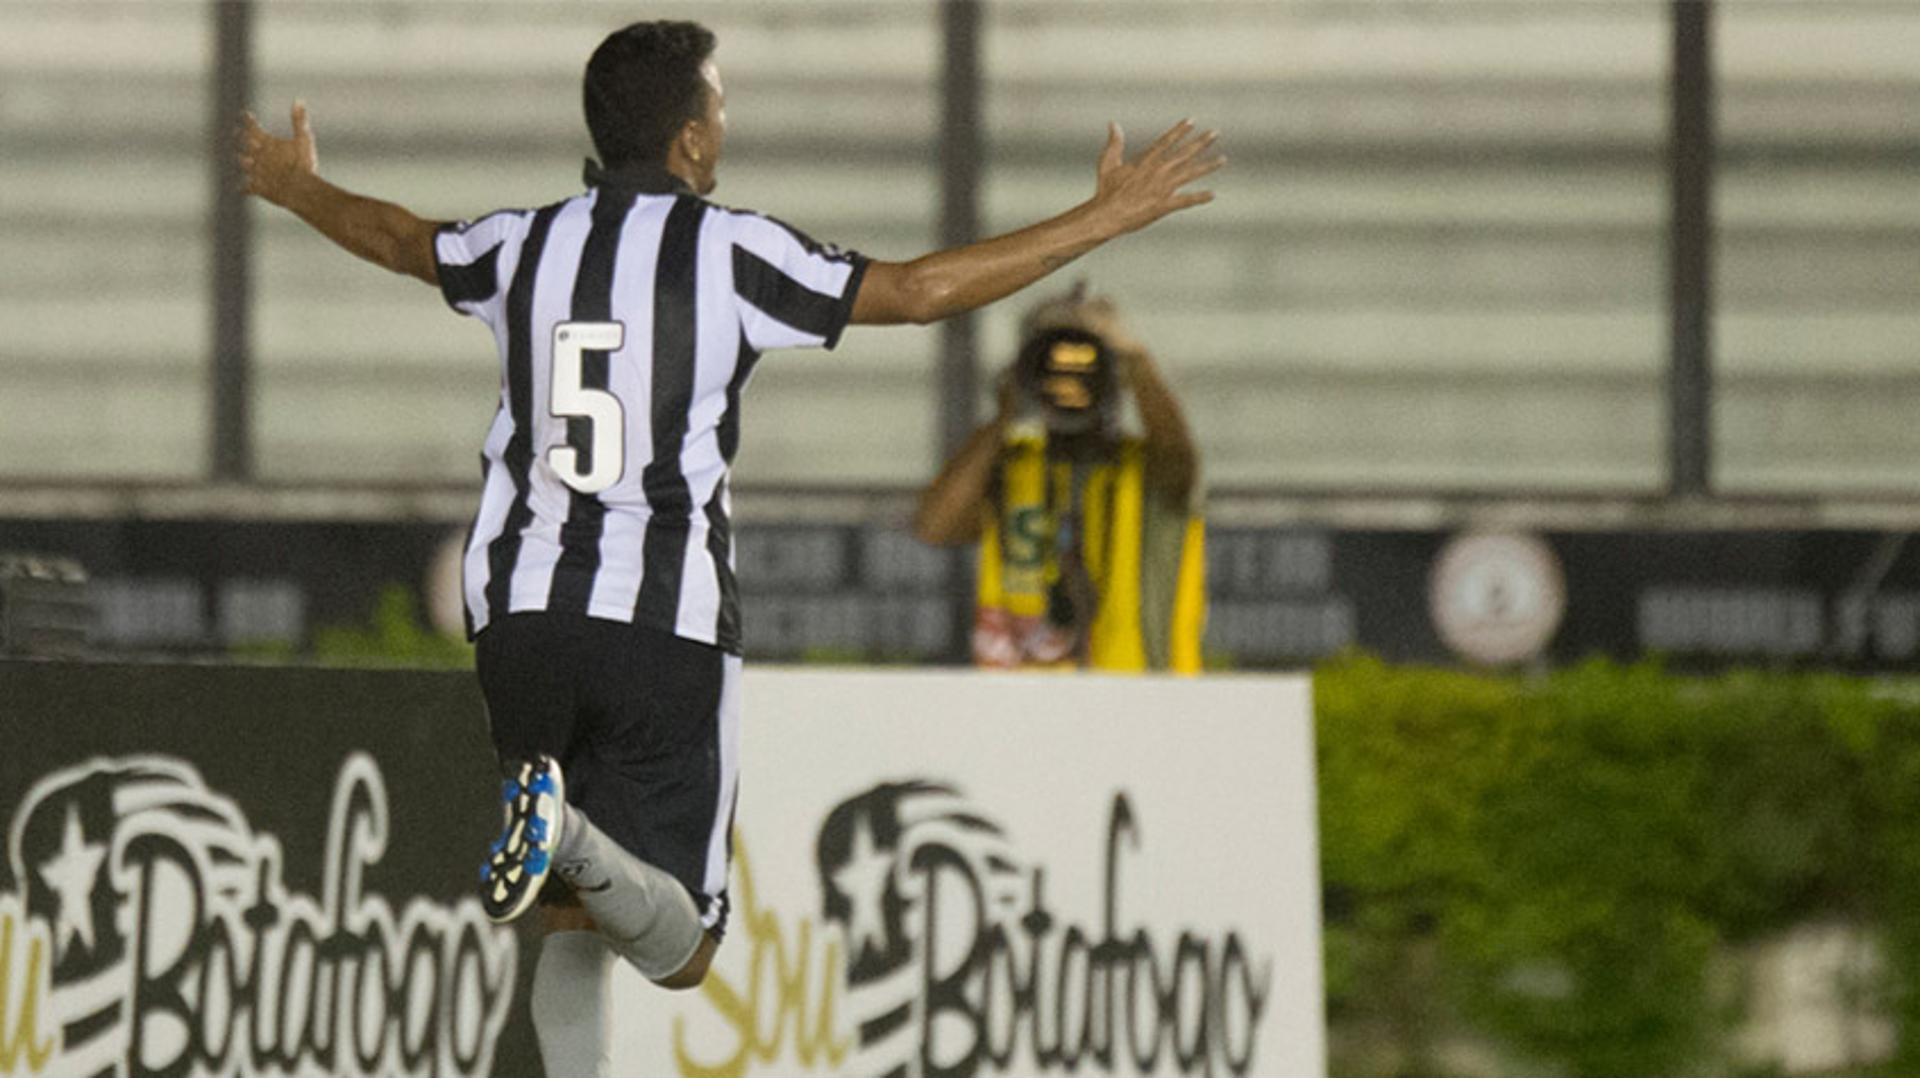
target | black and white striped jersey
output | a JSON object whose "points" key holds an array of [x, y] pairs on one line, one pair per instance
{"points": [[629, 319]]}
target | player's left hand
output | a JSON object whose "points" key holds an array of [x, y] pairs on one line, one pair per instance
{"points": [[1134, 194], [270, 165]]}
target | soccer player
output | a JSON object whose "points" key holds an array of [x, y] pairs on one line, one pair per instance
{"points": [[599, 578]]}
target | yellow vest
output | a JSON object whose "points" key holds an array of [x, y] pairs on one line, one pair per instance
{"points": [[1147, 561]]}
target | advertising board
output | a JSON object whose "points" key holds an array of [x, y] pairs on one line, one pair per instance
{"points": [[227, 870], [249, 870], [957, 874]]}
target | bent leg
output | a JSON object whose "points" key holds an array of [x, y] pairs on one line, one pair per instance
{"points": [[643, 912], [695, 971], [645, 845]]}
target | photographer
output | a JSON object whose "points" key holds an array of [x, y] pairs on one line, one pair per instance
{"points": [[1091, 545]]}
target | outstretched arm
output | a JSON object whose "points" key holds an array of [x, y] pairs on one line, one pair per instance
{"points": [[286, 172], [1129, 195]]}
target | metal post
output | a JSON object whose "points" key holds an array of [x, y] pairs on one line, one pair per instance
{"points": [[231, 374], [1691, 161], [961, 138], [960, 153]]}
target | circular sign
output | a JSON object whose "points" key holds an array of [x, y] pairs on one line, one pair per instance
{"points": [[1497, 597]]}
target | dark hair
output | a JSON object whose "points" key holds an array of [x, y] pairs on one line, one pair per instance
{"points": [[642, 86]]}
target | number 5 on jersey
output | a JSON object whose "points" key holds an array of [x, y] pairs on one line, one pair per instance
{"points": [[571, 398]]}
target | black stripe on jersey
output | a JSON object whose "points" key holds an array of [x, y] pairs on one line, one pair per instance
{"points": [[848, 296], [729, 433], [473, 282], [675, 338], [719, 529], [720, 545], [592, 302], [466, 610], [813, 246], [504, 552], [761, 283]]}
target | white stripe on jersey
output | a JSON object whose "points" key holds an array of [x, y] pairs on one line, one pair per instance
{"points": [[699, 583], [819, 269], [495, 497], [552, 300]]}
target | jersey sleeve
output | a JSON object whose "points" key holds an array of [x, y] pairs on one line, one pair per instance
{"points": [[792, 292], [467, 255]]}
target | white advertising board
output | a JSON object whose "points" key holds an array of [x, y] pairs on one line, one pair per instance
{"points": [[947, 874]]}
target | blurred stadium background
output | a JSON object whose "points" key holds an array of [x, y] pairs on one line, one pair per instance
{"points": [[1629, 285], [1434, 293]]}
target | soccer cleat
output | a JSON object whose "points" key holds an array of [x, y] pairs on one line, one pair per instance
{"points": [[533, 800]]}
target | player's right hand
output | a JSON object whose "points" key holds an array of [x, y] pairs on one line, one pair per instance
{"points": [[269, 165], [1137, 193]]}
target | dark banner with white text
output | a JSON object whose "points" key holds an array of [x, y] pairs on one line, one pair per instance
{"points": [[1280, 597], [230, 870]]}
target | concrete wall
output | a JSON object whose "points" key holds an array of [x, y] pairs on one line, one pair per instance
{"points": [[1437, 261]]}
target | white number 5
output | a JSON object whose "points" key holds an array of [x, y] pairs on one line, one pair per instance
{"points": [[571, 399]]}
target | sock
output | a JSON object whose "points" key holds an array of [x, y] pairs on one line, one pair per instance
{"points": [[569, 1004], [647, 917]]}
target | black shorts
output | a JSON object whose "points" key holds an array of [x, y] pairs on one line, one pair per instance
{"points": [[645, 724]]}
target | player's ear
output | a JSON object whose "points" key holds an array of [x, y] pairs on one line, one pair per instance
{"points": [[691, 137]]}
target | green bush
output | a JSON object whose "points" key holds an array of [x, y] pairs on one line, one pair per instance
{"points": [[1554, 862], [396, 636]]}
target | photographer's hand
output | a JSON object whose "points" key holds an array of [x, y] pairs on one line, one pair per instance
{"points": [[1173, 461], [1101, 319]]}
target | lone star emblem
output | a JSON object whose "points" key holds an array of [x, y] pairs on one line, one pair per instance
{"points": [[864, 879], [72, 874]]}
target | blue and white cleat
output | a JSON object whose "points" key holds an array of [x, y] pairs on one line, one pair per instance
{"points": [[533, 797]]}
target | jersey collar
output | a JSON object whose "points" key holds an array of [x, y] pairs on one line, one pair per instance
{"points": [[646, 179]]}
